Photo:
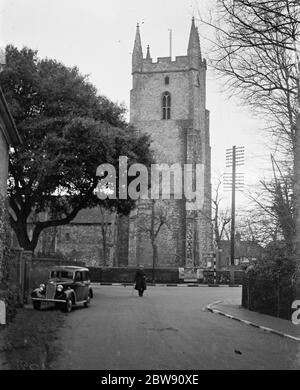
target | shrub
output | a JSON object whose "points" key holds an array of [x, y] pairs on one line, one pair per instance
{"points": [[268, 286]]}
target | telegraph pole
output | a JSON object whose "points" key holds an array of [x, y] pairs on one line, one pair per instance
{"points": [[232, 230], [234, 181], [215, 269]]}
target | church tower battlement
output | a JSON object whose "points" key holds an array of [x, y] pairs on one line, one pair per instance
{"points": [[193, 59], [168, 101]]}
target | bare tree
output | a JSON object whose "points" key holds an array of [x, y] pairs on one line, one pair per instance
{"points": [[256, 52], [154, 215], [258, 226], [107, 233], [272, 216], [220, 218]]}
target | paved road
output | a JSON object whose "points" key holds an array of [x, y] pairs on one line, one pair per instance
{"points": [[166, 329]]}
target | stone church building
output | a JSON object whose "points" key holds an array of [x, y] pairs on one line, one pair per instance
{"points": [[167, 101]]}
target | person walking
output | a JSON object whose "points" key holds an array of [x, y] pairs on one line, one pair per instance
{"points": [[140, 280]]}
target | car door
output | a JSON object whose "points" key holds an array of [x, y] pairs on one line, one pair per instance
{"points": [[86, 284], [79, 286]]}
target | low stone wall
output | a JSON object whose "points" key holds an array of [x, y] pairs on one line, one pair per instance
{"points": [[126, 275], [161, 275]]}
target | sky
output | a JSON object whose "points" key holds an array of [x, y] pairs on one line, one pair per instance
{"points": [[98, 35]]}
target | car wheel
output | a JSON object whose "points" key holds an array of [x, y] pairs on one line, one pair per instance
{"points": [[68, 305], [88, 300], [36, 305]]}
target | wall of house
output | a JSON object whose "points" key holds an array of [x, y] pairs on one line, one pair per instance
{"points": [[245, 253], [3, 163]]}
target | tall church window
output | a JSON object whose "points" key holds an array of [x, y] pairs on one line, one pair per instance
{"points": [[166, 105], [167, 80]]}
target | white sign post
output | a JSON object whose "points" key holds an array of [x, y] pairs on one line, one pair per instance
{"points": [[296, 314], [2, 313]]}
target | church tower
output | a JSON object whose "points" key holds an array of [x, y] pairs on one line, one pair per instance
{"points": [[168, 101]]}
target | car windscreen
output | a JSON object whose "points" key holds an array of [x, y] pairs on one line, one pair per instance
{"points": [[61, 275]]}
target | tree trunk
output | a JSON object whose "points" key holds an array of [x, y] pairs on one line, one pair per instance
{"points": [[20, 229], [154, 259]]}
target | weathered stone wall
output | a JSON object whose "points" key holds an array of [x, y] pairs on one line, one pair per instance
{"points": [[9, 288], [122, 241], [146, 98], [81, 242], [74, 242], [162, 275], [170, 239], [3, 163]]}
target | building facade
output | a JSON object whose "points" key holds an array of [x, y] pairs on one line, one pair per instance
{"points": [[168, 102], [246, 252], [8, 137], [90, 238]]}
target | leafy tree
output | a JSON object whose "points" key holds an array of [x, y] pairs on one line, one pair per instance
{"points": [[67, 131]]}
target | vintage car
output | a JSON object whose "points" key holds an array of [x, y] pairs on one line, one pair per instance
{"points": [[67, 286]]}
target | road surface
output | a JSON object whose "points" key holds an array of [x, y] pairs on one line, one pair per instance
{"points": [[166, 329]]}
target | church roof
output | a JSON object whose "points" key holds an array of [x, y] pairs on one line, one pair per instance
{"points": [[91, 216], [137, 55]]}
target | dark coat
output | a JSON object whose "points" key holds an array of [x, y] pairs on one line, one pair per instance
{"points": [[140, 280]]}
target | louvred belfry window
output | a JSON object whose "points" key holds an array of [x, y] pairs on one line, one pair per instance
{"points": [[166, 106]]}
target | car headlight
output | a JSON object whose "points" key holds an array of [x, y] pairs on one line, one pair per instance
{"points": [[42, 287], [59, 288]]}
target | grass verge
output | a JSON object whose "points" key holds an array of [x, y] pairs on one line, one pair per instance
{"points": [[29, 341]]}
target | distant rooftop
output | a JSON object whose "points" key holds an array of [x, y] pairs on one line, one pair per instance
{"points": [[91, 216]]}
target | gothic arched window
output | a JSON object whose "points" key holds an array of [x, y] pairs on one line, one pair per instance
{"points": [[166, 105]]}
